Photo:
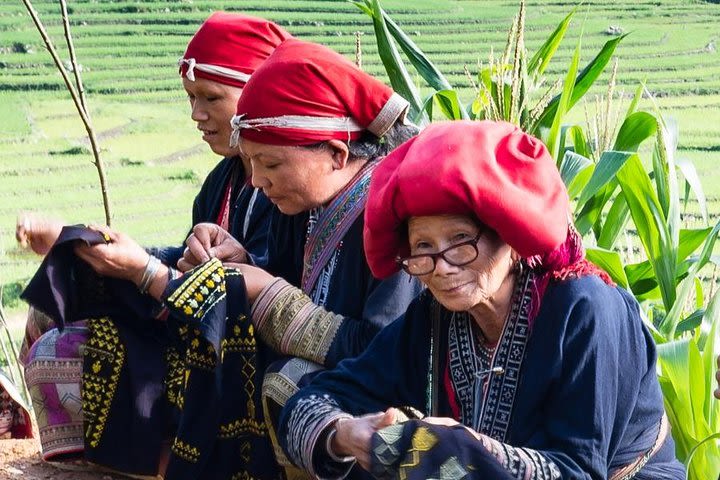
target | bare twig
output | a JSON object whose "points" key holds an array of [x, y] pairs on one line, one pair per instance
{"points": [[76, 100], [73, 59]]}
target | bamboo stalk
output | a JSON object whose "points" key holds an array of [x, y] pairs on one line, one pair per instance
{"points": [[78, 104]]}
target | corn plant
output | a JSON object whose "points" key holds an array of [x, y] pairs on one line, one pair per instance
{"points": [[611, 190]]}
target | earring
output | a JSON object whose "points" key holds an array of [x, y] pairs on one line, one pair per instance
{"points": [[518, 267]]}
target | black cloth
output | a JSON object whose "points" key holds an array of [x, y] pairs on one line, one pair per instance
{"points": [[125, 412], [431, 451], [221, 432]]}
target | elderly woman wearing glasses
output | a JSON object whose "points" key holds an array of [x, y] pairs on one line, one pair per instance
{"points": [[524, 359]]}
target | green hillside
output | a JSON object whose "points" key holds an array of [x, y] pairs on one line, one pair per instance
{"points": [[156, 160]]}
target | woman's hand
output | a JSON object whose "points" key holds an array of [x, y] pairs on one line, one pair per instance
{"points": [[256, 279], [120, 258], [354, 434], [211, 241], [37, 232], [451, 422]]}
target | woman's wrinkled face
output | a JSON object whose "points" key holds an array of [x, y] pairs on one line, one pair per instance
{"points": [[296, 179], [212, 106], [460, 288]]}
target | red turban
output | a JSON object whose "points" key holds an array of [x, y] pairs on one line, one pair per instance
{"points": [[492, 170], [229, 47], [306, 93]]}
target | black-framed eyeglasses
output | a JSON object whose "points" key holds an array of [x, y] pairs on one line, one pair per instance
{"points": [[458, 255]]}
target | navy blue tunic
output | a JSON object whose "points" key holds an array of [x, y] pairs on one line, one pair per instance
{"points": [[586, 397]]}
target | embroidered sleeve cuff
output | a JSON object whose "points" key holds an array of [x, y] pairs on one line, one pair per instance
{"points": [[523, 463], [261, 309], [288, 321]]}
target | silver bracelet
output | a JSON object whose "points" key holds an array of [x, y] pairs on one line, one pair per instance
{"points": [[331, 452], [152, 267]]}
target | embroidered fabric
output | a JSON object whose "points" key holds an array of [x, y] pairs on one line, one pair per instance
{"points": [[321, 289], [309, 419], [292, 324]]}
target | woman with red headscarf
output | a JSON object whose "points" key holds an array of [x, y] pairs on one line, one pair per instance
{"points": [[217, 64], [525, 359], [313, 126]]}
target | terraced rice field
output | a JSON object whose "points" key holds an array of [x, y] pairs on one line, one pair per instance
{"points": [[156, 159]]}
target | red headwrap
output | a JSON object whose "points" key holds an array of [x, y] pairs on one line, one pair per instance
{"points": [[306, 93], [229, 47], [492, 170]]}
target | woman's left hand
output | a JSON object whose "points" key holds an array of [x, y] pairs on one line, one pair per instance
{"points": [[353, 435], [256, 279], [121, 257]]}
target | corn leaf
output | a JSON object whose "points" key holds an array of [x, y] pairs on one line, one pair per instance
{"points": [[448, 103], [683, 290], [425, 68], [583, 82], [563, 106], [636, 128], [687, 168], [610, 262], [399, 77], [636, 99], [651, 225], [615, 222], [673, 357], [605, 171], [712, 456], [575, 171], [539, 62]]}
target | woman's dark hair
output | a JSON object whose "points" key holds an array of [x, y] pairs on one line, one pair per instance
{"points": [[369, 146]]}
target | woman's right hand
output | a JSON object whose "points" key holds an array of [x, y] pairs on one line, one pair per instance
{"points": [[210, 241], [121, 257], [354, 434], [37, 232]]}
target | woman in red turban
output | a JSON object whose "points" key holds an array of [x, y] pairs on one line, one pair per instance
{"points": [[524, 358], [217, 64]]}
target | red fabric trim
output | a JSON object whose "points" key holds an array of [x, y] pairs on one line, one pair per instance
{"points": [[223, 218]]}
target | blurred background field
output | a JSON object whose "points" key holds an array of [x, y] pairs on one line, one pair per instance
{"points": [[156, 159]]}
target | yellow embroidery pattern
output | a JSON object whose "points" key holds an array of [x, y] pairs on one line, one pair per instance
{"points": [[422, 441], [243, 426], [174, 379], [185, 451], [106, 354], [242, 476], [199, 292], [200, 352]]}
